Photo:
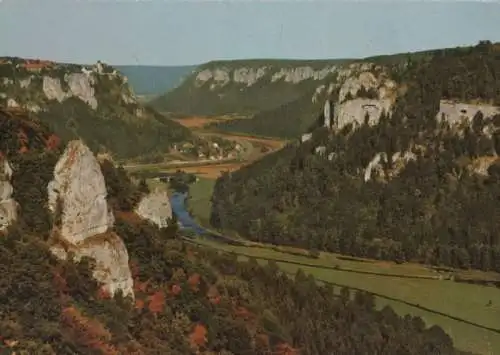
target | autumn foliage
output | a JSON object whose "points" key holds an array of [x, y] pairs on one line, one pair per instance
{"points": [[87, 332], [286, 349], [156, 302], [194, 281], [175, 290], [53, 142], [198, 336], [103, 293]]}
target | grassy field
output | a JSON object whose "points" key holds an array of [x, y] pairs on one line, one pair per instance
{"points": [[199, 201], [460, 309]]}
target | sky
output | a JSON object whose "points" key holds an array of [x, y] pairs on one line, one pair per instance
{"points": [[174, 32]]}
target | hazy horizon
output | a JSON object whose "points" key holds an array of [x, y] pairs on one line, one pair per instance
{"points": [[160, 33]]}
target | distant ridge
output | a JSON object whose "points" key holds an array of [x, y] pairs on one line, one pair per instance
{"points": [[154, 80]]}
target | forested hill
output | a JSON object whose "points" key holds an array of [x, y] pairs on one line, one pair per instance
{"points": [[245, 87], [93, 102], [271, 97], [419, 183], [185, 299]]}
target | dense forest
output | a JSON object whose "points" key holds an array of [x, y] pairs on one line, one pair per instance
{"points": [[113, 127], [188, 300], [433, 209]]}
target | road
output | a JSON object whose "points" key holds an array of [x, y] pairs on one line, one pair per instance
{"points": [[252, 150]]}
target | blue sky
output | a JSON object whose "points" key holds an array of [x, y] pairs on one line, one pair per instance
{"points": [[166, 32]]}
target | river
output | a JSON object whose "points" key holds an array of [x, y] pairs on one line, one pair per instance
{"points": [[178, 203]]}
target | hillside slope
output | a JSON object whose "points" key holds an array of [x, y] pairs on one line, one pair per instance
{"points": [[411, 183], [245, 87], [180, 299], [154, 80], [281, 96], [91, 102]]}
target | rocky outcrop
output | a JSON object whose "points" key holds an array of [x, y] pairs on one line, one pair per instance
{"points": [[79, 188], [327, 114], [156, 208], [77, 199], [298, 74], [457, 112], [52, 89], [8, 207], [363, 98], [11, 103], [305, 137], [481, 165], [248, 75], [80, 85], [398, 159], [359, 110]]}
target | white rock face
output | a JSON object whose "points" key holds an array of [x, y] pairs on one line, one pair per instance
{"points": [[352, 79], [248, 76], [12, 103], [353, 84], [399, 160], [81, 87], [156, 208], [480, 165], [298, 74], [32, 107], [327, 114], [305, 137], [8, 207], [79, 184], [355, 111], [111, 261], [220, 76], [52, 89], [24, 83], [319, 90], [79, 187], [456, 112], [321, 150]]}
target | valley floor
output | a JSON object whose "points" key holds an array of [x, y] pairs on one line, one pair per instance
{"points": [[469, 313], [254, 148]]}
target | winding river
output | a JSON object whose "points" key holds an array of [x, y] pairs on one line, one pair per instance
{"points": [[178, 203]]}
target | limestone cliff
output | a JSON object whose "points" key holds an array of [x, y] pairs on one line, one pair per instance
{"points": [[246, 87], [284, 97], [79, 191], [156, 208], [8, 206], [93, 102], [26, 82], [77, 199], [364, 95]]}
